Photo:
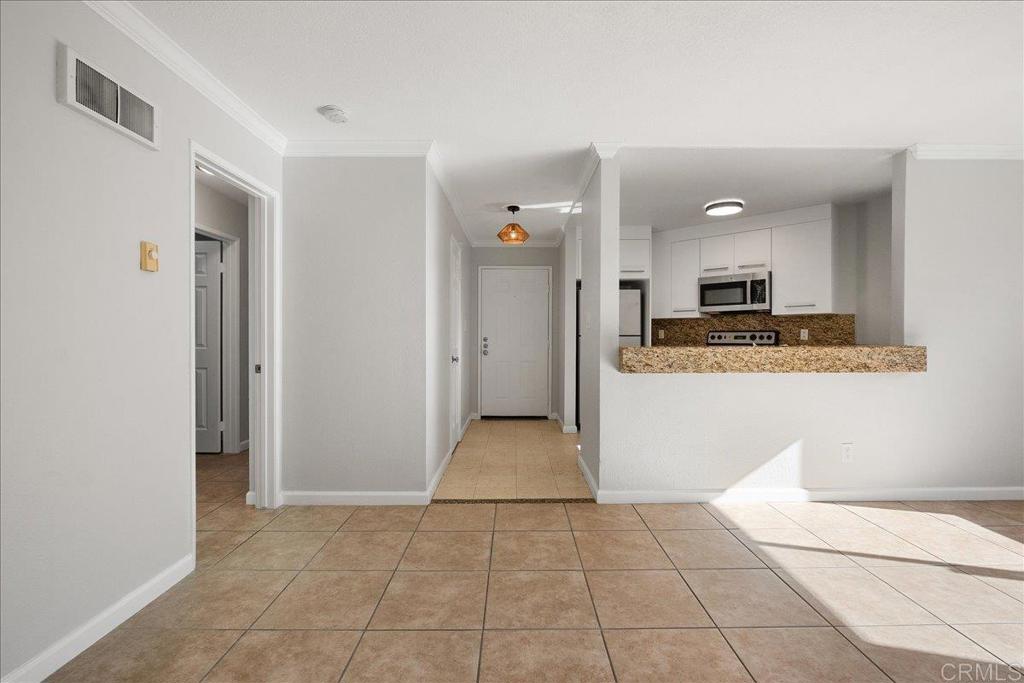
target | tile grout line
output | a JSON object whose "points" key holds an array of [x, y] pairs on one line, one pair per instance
{"points": [[394, 571], [807, 602], [694, 594], [269, 604], [593, 604], [487, 593]]}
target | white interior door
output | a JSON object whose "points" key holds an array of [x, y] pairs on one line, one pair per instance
{"points": [[208, 298], [514, 341], [455, 345]]}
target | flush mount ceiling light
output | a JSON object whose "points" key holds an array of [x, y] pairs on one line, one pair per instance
{"points": [[333, 113], [724, 207], [513, 233]]}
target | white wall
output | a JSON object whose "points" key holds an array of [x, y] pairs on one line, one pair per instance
{"points": [[510, 256], [354, 395], [215, 210], [953, 431], [599, 310], [567, 338], [441, 226], [95, 460], [874, 270]]}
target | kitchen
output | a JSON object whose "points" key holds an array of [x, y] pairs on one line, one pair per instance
{"points": [[783, 264]]}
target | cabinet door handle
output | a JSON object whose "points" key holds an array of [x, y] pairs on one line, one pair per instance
{"points": [[631, 269], [683, 310], [708, 270], [800, 305], [753, 265]]}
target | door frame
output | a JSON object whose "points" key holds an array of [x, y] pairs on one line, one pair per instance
{"points": [[479, 331], [265, 267], [455, 307], [230, 339]]}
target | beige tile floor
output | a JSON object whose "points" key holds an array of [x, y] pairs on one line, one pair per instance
{"points": [[514, 460], [581, 592]]}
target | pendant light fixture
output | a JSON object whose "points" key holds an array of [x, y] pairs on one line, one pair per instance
{"points": [[513, 233]]}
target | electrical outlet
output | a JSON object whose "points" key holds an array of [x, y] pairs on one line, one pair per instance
{"points": [[804, 335], [846, 452], [661, 334]]}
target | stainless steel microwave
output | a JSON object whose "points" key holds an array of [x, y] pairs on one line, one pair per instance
{"points": [[735, 293]]}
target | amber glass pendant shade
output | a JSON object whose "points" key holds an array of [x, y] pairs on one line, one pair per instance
{"points": [[513, 233]]}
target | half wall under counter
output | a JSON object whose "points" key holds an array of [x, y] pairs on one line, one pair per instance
{"points": [[772, 359]]}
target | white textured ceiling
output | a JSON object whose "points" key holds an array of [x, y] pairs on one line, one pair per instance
{"points": [[513, 92], [668, 188]]}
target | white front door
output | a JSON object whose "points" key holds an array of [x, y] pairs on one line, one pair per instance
{"points": [[455, 345], [514, 341], [208, 287]]}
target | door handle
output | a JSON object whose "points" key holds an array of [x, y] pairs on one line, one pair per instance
{"points": [[800, 305], [752, 265], [683, 310], [708, 270]]}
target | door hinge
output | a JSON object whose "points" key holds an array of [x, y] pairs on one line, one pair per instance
{"points": [[220, 426], [259, 368], [220, 267]]}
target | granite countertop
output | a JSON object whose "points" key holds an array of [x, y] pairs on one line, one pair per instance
{"points": [[776, 359]]}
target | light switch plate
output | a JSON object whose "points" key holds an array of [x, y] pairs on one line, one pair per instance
{"points": [[149, 257]]}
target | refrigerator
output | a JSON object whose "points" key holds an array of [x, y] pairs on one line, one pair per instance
{"points": [[631, 318]]}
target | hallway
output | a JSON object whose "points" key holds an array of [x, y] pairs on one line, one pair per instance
{"points": [[507, 459]]}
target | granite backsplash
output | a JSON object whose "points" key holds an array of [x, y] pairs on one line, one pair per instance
{"points": [[823, 329]]}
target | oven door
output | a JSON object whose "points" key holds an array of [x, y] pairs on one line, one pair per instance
{"points": [[725, 293]]}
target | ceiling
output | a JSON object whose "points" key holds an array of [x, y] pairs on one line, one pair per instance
{"points": [[513, 92], [668, 188]]}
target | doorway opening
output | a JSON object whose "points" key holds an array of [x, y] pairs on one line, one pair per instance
{"points": [[235, 224]]}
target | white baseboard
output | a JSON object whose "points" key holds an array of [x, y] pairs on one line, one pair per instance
{"points": [[566, 429], [250, 498], [474, 416], [588, 476], [71, 645], [469, 421], [355, 497], [798, 494], [439, 473], [243, 445]]}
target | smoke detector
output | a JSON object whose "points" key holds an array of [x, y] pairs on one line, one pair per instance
{"points": [[333, 113]]}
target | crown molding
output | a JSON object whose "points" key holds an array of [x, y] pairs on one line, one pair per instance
{"points": [[596, 153], [358, 148], [530, 244], [605, 150], [968, 152], [123, 16], [444, 180]]}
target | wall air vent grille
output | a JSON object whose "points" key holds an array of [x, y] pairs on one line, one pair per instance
{"points": [[86, 89]]}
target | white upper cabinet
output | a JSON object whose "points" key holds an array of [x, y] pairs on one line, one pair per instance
{"points": [[717, 255], [685, 269], [802, 268], [634, 252], [753, 251]]}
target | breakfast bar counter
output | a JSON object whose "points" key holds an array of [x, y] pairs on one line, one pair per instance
{"points": [[774, 359]]}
